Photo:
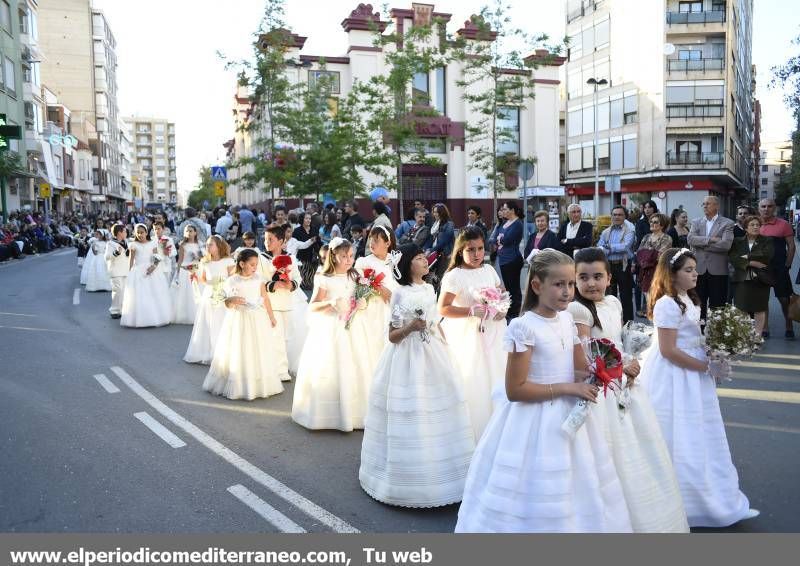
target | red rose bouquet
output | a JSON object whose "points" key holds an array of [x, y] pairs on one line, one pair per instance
{"points": [[283, 267], [367, 286]]}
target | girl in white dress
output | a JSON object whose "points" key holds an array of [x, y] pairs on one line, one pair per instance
{"points": [[86, 268], [680, 381], [527, 475], [166, 251], [249, 241], [332, 386], [242, 367], [417, 436], [184, 307], [381, 243], [640, 454], [146, 301], [98, 278], [215, 267], [478, 356]]}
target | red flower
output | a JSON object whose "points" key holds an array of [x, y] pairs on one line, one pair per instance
{"points": [[369, 272], [377, 282], [282, 261]]}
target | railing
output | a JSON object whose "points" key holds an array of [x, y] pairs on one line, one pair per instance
{"points": [[714, 16], [694, 111], [695, 158], [685, 65]]}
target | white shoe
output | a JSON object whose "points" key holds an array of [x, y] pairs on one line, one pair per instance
{"points": [[751, 514]]}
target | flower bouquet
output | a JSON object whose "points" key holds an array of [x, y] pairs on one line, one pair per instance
{"points": [[366, 287], [218, 294], [730, 335], [636, 338], [283, 268], [494, 300], [154, 261], [605, 367], [165, 243]]}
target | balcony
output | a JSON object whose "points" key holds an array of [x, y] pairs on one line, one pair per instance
{"points": [[144, 154], [692, 65], [686, 18], [711, 159], [712, 110]]}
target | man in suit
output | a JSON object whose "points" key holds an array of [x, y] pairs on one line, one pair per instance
{"points": [[575, 234], [710, 238]]}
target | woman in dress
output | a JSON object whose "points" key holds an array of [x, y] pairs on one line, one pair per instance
{"points": [[751, 256], [242, 367], [86, 268], [308, 254], [680, 378], [98, 278], [652, 245], [509, 236], [417, 437], [166, 251], [441, 239], [146, 301], [543, 238], [333, 379], [527, 475], [215, 267], [679, 228], [184, 306], [381, 243], [640, 454], [475, 340]]}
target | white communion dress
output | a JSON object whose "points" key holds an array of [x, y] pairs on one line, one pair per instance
{"points": [[333, 379], [87, 262], [417, 437], [184, 306], [210, 312], [637, 446], [242, 367], [284, 301], [146, 301], [527, 475], [687, 408], [377, 313], [478, 356], [98, 278]]}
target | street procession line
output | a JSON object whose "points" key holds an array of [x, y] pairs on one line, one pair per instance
{"points": [[281, 490], [160, 430], [76, 296], [106, 383], [271, 515]]}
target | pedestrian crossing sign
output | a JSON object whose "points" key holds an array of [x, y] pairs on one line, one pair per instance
{"points": [[219, 173]]}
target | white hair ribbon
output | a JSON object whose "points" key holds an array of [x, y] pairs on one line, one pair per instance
{"points": [[393, 259], [385, 231], [335, 243], [679, 254]]}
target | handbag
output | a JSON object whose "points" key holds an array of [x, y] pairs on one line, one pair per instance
{"points": [[763, 276], [794, 308]]}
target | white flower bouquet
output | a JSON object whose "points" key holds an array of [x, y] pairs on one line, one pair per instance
{"points": [[730, 336]]}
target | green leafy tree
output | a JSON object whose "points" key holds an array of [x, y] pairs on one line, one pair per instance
{"points": [[497, 82], [787, 78], [204, 190]]}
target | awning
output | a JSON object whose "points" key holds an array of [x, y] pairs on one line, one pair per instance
{"points": [[48, 163], [710, 130]]}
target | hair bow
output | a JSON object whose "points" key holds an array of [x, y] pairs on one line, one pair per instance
{"points": [[335, 243], [394, 259]]}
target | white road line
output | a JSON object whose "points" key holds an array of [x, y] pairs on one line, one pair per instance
{"points": [[283, 491], [17, 314], [274, 517], [107, 385], [161, 431], [34, 329], [76, 296]]}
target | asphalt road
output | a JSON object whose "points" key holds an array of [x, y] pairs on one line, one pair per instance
{"points": [[142, 448]]}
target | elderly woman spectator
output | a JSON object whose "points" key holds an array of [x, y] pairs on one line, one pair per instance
{"points": [[542, 238], [650, 249], [750, 256]]}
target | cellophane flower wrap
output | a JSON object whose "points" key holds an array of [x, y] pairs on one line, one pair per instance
{"points": [[283, 267], [494, 300], [218, 294], [605, 367], [367, 286], [730, 335]]}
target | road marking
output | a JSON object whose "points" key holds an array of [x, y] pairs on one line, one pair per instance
{"points": [[18, 314], [160, 430], [235, 408], [76, 296], [767, 428], [283, 491], [755, 395], [767, 365], [274, 517], [35, 329], [771, 378], [107, 385], [778, 356]]}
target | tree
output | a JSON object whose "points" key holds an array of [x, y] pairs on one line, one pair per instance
{"points": [[496, 81], [787, 77], [204, 190]]}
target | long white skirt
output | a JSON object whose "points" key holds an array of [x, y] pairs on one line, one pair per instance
{"points": [[87, 265], [207, 324], [97, 278], [184, 307], [146, 301]]}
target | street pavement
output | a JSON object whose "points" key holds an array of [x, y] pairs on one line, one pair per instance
{"points": [[106, 429]]}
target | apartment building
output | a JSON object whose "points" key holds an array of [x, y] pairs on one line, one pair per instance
{"points": [[533, 123], [674, 107], [776, 159], [153, 152]]}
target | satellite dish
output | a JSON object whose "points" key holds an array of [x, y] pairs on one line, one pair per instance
{"points": [[669, 49]]}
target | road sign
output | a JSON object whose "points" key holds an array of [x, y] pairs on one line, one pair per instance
{"points": [[44, 190], [219, 173], [525, 171], [612, 183], [219, 189]]}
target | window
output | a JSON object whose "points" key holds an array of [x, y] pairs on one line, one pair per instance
{"points": [[764, 168], [602, 155], [601, 34], [508, 123], [574, 159], [159, 150], [574, 122], [690, 54], [602, 116], [160, 139], [690, 7], [441, 99], [420, 89], [82, 169], [161, 162], [764, 181], [587, 38], [574, 83], [575, 48], [629, 153], [630, 108], [23, 22], [159, 128], [588, 120], [588, 157], [328, 80], [616, 155], [9, 76], [5, 15], [616, 113]]}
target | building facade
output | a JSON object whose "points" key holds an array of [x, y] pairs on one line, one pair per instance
{"points": [[776, 160], [675, 116], [153, 153], [533, 122]]}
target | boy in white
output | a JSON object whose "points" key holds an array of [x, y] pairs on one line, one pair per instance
{"points": [[118, 262]]}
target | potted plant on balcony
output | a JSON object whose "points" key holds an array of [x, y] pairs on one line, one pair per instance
{"points": [[508, 164]]}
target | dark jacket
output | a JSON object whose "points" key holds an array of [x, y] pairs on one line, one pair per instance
{"points": [[583, 239], [444, 240], [549, 240], [352, 220], [762, 251]]}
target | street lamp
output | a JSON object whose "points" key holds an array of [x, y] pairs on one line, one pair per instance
{"points": [[596, 83]]}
